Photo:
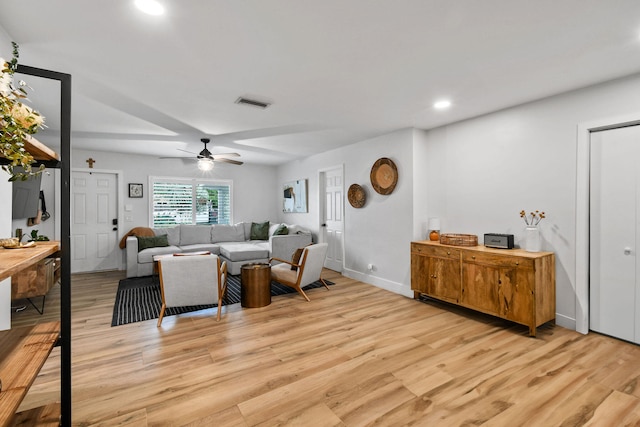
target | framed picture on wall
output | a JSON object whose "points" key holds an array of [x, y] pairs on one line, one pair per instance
{"points": [[295, 196], [135, 191]]}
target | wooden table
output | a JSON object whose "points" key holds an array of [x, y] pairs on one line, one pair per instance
{"points": [[255, 286], [13, 261]]}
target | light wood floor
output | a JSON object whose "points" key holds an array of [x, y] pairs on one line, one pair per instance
{"points": [[355, 355]]}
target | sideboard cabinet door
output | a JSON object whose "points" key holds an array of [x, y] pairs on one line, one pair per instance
{"points": [[480, 287], [435, 272]]}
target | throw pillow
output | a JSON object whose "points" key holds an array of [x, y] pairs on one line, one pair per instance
{"points": [[152, 242], [295, 259], [282, 230], [260, 230]]}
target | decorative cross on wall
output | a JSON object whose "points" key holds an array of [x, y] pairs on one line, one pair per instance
{"points": [[91, 162]]}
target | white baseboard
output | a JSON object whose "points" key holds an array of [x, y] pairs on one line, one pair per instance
{"points": [[397, 288], [565, 322]]}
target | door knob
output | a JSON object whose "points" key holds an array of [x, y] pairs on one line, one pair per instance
{"points": [[627, 251]]}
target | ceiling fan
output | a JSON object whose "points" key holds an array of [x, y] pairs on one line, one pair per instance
{"points": [[206, 159]]}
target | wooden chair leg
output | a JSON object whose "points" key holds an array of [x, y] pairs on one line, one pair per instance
{"points": [[164, 306], [299, 289], [219, 308], [324, 283]]}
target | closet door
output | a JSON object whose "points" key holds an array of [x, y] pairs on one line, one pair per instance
{"points": [[614, 268]]}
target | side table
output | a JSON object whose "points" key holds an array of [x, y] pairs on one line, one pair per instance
{"points": [[255, 285]]}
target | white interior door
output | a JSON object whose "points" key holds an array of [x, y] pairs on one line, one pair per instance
{"points": [[93, 232], [614, 297], [332, 230]]}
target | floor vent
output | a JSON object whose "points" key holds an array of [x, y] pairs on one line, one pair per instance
{"points": [[252, 103]]}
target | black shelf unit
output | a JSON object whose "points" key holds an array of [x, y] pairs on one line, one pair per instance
{"points": [[65, 232]]}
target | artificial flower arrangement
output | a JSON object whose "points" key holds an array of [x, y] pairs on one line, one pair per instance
{"points": [[17, 121], [532, 219]]}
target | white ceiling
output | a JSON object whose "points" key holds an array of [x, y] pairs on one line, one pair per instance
{"points": [[336, 71]]}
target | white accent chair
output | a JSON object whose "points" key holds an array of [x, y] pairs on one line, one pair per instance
{"points": [[307, 271], [191, 280]]}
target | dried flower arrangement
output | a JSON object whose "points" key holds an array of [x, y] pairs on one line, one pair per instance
{"points": [[17, 121], [533, 218]]}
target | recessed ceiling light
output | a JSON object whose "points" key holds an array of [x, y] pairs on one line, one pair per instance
{"points": [[150, 7], [441, 105]]}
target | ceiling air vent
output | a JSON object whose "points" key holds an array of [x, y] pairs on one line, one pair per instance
{"points": [[252, 103]]}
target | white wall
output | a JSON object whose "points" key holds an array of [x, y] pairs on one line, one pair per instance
{"points": [[378, 233], [481, 172], [5, 211], [253, 185], [476, 176]]}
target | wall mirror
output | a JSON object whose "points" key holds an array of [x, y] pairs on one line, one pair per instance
{"points": [[295, 196]]}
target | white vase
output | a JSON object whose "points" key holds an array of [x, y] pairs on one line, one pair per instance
{"points": [[532, 242]]}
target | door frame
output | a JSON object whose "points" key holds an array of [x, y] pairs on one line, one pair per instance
{"points": [[583, 191], [322, 205], [119, 199]]}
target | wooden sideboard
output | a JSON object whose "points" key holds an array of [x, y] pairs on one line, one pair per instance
{"points": [[23, 351], [509, 283]]}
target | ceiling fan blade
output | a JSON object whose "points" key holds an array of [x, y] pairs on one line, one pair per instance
{"points": [[226, 155], [222, 159], [182, 158], [186, 151]]}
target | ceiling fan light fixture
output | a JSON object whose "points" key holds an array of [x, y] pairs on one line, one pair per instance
{"points": [[205, 164]]}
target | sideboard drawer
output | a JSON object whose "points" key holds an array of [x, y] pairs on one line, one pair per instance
{"points": [[497, 260], [436, 251]]}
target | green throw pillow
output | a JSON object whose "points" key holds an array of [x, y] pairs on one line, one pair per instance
{"points": [[282, 230], [152, 242], [259, 231]]}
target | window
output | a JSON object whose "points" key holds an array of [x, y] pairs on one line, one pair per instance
{"points": [[189, 201]]}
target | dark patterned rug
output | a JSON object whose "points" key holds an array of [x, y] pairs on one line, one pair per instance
{"points": [[138, 298]]}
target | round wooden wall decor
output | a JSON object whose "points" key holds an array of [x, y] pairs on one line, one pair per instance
{"points": [[357, 196], [384, 176]]}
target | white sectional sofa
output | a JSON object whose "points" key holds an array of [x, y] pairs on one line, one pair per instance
{"points": [[232, 243]]}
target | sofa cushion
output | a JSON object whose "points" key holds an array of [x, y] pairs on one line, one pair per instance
{"points": [[247, 229], [173, 234], [147, 255], [194, 234], [227, 233], [259, 231], [211, 247], [152, 242], [237, 251]]}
